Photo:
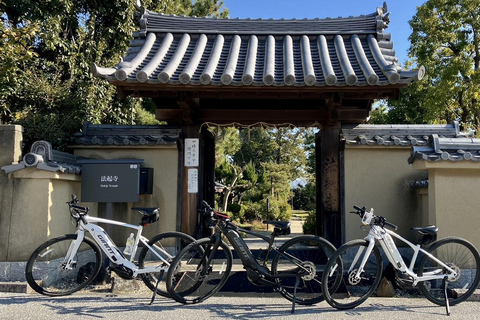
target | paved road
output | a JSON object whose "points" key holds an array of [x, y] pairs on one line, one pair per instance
{"points": [[135, 306]]}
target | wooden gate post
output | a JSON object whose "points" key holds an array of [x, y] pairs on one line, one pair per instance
{"points": [[197, 177], [189, 167], [330, 224]]}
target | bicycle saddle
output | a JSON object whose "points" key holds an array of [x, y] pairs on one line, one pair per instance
{"points": [[149, 215], [279, 224], [431, 230], [146, 211]]}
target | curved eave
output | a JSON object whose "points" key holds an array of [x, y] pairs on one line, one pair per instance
{"points": [[184, 51]]}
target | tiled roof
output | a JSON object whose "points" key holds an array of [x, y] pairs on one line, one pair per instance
{"points": [[398, 134], [43, 157], [419, 184], [452, 149], [353, 51], [127, 135]]}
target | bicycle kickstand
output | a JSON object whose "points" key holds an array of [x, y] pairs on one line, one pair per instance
{"points": [[447, 303], [156, 286], [297, 282]]}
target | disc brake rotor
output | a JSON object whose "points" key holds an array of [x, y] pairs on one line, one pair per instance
{"points": [[352, 278], [458, 272], [311, 269]]}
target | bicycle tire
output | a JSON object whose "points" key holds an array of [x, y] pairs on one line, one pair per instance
{"points": [[312, 252], [340, 287], [167, 245], [44, 272], [462, 256], [196, 274]]}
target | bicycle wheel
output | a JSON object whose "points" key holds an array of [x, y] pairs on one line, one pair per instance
{"points": [[46, 271], [198, 272], [461, 256], [305, 256], [342, 288], [164, 246]]}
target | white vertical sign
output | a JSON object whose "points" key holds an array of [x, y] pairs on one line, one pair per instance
{"points": [[192, 180], [191, 152]]}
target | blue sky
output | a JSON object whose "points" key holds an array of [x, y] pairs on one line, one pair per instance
{"points": [[401, 11]]}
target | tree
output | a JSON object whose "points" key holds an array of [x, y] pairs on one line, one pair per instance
{"points": [[256, 164], [227, 174], [446, 40], [16, 50], [51, 91]]}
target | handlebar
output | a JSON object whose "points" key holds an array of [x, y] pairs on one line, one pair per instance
{"points": [[368, 218], [77, 212], [213, 215]]}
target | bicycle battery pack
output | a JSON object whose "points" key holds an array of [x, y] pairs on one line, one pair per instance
{"points": [[241, 248]]}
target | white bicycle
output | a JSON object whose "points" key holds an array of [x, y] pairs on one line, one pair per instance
{"points": [[68, 263], [447, 272]]}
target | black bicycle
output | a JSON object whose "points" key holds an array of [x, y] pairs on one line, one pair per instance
{"points": [[202, 268]]}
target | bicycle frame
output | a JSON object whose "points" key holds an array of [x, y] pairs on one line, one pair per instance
{"points": [[382, 235], [242, 249], [109, 248]]}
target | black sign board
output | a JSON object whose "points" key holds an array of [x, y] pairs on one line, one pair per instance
{"points": [[110, 180]]}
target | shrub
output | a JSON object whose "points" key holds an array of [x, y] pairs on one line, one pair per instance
{"points": [[310, 224], [236, 213]]}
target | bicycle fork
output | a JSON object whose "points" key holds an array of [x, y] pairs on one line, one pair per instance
{"points": [[70, 262], [368, 251]]}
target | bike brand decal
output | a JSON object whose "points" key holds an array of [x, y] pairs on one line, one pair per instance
{"points": [[241, 247], [107, 246]]}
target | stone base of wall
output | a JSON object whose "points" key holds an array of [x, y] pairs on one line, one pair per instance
{"points": [[12, 271]]}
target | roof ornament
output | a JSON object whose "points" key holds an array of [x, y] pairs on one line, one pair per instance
{"points": [[383, 17], [138, 4]]}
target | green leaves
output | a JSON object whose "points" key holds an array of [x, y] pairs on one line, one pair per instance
{"points": [[46, 49], [446, 40], [254, 164]]}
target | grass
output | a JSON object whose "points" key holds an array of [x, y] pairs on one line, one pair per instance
{"points": [[300, 213]]}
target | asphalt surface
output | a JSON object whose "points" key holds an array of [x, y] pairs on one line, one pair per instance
{"points": [[249, 306]]}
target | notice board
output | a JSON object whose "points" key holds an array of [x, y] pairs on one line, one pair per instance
{"points": [[111, 180]]}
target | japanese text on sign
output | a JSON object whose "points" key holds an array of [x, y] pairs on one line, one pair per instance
{"points": [[192, 180], [191, 152], [108, 181]]}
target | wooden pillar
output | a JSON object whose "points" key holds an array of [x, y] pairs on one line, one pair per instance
{"points": [[190, 173], [197, 180], [207, 179], [330, 222]]}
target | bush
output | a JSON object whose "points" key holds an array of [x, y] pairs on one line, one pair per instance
{"points": [[279, 210], [249, 211], [310, 224], [236, 213]]}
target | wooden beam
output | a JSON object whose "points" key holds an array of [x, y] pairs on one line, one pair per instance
{"points": [[188, 104], [219, 92], [249, 116], [169, 115], [352, 115]]}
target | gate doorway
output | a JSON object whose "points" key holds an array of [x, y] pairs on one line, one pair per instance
{"points": [[324, 72]]}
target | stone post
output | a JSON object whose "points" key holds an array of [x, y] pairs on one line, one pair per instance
{"points": [[11, 137]]}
